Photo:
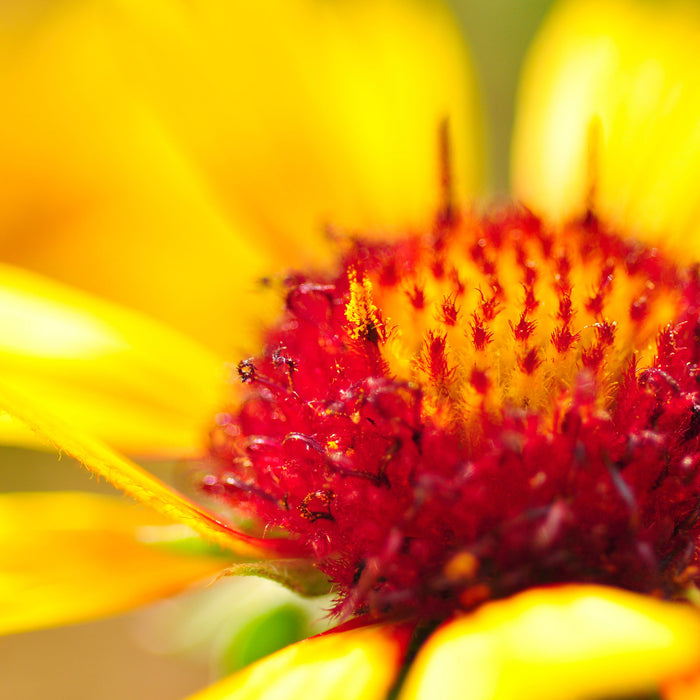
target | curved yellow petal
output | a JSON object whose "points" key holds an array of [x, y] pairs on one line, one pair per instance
{"points": [[560, 643], [168, 154], [608, 118], [131, 478], [72, 557], [358, 664], [104, 369]]}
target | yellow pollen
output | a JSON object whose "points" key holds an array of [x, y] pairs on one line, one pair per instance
{"points": [[361, 311]]}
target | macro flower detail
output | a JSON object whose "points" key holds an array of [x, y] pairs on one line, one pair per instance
{"points": [[478, 428], [486, 408]]}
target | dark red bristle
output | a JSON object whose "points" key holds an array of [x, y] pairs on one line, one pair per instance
{"points": [[529, 361], [563, 339], [489, 306], [449, 312], [639, 309], [417, 297], [434, 359], [457, 284], [566, 310], [530, 268], [530, 303], [481, 335], [523, 329], [605, 332], [592, 357], [480, 381]]}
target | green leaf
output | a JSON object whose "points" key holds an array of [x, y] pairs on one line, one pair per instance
{"points": [[263, 636]]}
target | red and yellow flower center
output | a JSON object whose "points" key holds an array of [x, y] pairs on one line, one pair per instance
{"points": [[464, 414]]}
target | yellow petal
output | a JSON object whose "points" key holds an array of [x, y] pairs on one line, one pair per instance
{"points": [[98, 190], [608, 117], [359, 664], [168, 154], [72, 557], [104, 369], [687, 688], [130, 477], [561, 643]]}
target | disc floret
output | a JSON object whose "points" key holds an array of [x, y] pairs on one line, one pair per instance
{"points": [[465, 414]]}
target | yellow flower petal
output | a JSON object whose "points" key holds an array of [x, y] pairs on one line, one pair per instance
{"points": [[687, 688], [168, 154], [72, 557], [99, 191], [356, 664], [608, 116], [562, 643], [104, 369], [131, 478]]}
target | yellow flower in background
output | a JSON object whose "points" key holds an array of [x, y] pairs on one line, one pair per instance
{"points": [[170, 156], [186, 138]]}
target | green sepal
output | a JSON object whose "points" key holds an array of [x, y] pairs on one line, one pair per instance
{"points": [[298, 575]]}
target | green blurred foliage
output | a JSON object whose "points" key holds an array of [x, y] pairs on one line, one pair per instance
{"points": [[264, 635]]}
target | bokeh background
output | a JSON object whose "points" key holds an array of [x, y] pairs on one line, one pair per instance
{"points": [[174, 648]]}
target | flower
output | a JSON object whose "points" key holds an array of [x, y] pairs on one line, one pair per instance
{"points": [[433, 421]]}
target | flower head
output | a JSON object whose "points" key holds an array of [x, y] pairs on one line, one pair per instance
{"points": [[478, 407], [487, 408]]}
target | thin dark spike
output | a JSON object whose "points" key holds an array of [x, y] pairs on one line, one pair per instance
{"points": [[446, 176]]}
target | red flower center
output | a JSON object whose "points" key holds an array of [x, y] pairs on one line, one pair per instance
{"points": [[476, 411]]}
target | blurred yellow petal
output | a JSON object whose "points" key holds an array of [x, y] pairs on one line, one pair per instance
{"points": [[608, 116], [683, 689], [105, 370], [130, 477], [561, 643], [72, 557], [168, 154], [359, 664], [98, 191]]}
